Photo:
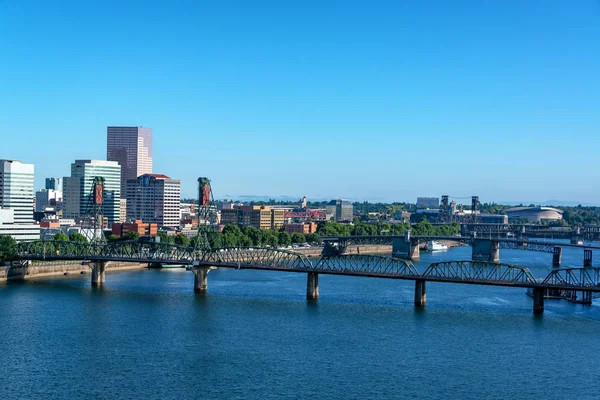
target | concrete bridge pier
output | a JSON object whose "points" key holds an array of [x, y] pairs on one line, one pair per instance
{"points": [[557, 257], [312, 286], [538, 300], [333, 249], [201, 280], [420, 293], [486, 250], [406, 247], [587, 258], [98, 273]]}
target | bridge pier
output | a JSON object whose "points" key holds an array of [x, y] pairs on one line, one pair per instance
{"points": [[420, 293], [312, 286], [98, 273], [486, 250], [538, 300], [201, 280], [587, 258], [557, 257], [406, 247]]}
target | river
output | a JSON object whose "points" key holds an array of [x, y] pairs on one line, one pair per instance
{"points": [[254, 336]]}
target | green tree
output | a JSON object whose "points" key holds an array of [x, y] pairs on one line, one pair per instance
{"points": [[8, 248], [182, 240], [215, 239], [165, 238], [284, 239], [313, 238], [244, 241], [229, 239], [77, 237], [132, 236], [298, 238], [61, 236], [113, 238], [270, 238]]}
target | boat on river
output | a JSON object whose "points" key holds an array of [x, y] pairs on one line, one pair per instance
{"points": [[433, 245]]}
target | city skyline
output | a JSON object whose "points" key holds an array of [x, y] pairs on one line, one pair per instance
{"points": [[377, 108]]}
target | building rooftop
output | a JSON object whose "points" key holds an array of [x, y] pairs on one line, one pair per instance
{"points": [[533, 209]]}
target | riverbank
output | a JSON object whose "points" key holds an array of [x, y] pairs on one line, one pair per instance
{"points": [[45, 269]]}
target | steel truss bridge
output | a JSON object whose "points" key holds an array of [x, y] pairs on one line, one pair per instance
{"points": [[585, 280], [505, 243]]}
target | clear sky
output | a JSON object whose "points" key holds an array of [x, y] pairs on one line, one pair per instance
{"points": [[358, 99]]}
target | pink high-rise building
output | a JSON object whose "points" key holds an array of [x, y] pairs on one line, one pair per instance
{"points": [[131, 147]]}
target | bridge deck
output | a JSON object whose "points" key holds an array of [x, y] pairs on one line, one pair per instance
{"points": [[404, 277]]}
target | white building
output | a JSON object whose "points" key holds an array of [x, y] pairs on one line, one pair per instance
{"points": [[47, 197], [19, 231], [123, 210], [16, 189], [154, 198], [77, 196]]}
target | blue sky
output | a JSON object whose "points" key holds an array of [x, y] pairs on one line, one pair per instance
{"points": [[365, 100]]}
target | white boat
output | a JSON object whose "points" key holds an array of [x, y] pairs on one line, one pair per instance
{"points": [[432, 245]]}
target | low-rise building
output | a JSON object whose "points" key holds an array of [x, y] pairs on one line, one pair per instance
{"points": [[121, 229], [304, 228], [262, 217]]}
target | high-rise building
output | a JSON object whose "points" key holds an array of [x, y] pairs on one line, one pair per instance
{"points": [[16, 189], [77, 195], [340, 211], [131, 147], [47, 197], [154, 198], [19, 231], [54, 184]]}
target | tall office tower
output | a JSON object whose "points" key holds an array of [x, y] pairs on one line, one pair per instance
{"points": [[154, 198], [77, 188], [16, 189], [54, 184], [131, 147]]}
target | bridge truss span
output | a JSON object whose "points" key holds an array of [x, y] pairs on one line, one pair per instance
{"points": [[528, 245], [587, 279], [367, 265], [480, 272], [130, 251], [256, 258]]}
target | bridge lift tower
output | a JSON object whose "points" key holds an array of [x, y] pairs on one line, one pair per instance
{"points": [[92, 224], [207, 214], [475, 209]]}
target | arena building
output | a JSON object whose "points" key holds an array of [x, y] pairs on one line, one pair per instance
{"points": [[534, 214]]}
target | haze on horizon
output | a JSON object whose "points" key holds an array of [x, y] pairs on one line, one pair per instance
{"points": [[382, 100]]}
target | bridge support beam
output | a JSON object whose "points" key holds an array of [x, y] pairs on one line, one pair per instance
{"points": [[557, 257], [201, 280], [538, 300], [587, 258], [312, 286], [98, 273], [420, 293], [486, 250], [406, 248]]}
